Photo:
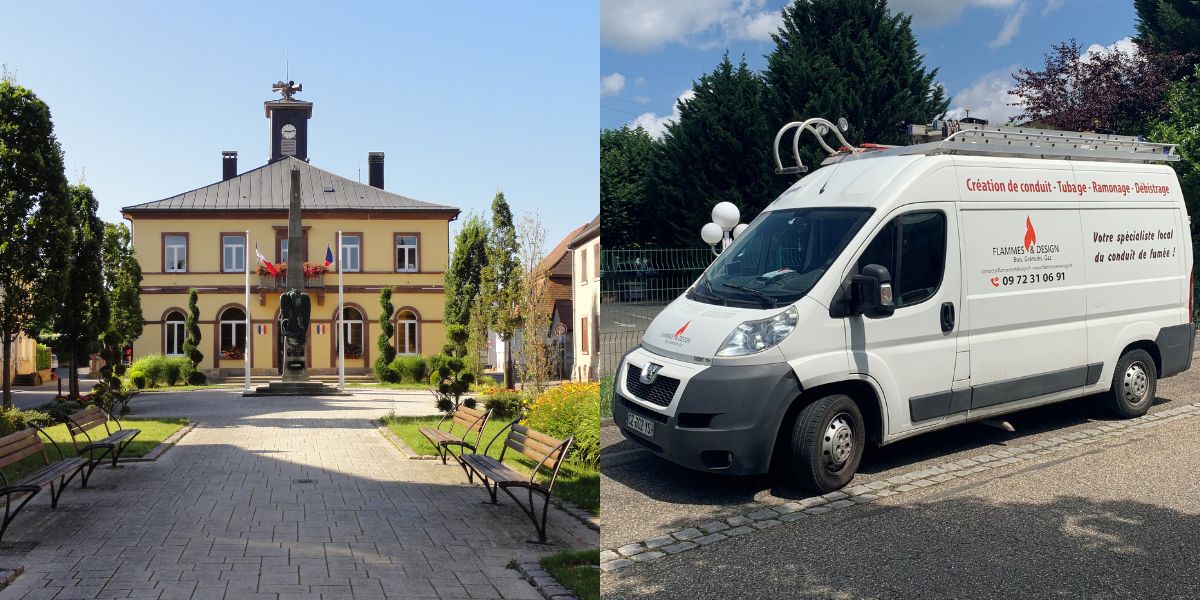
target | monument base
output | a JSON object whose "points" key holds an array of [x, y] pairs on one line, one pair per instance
{"points": [[296, 388]]}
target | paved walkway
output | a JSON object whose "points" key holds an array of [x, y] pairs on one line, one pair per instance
{"points": [[278, 498]]}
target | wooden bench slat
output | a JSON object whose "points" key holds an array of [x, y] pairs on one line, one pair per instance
{"points": [[536, 435], [471, 412], [21, 455], [16, 441], [55, 471]]}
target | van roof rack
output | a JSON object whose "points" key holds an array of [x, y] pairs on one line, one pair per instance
{"points": [[980, 139]]}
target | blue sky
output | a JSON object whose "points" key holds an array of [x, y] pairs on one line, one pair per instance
{"points": [[652, 50], [464, 101]]}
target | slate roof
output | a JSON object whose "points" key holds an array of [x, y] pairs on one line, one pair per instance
{"points": [[266, 188], [554, 263]]}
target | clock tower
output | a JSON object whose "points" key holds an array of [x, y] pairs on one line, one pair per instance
{"points": [[289, 122]]}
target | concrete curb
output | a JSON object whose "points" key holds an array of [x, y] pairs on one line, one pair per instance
{"points": [[771, 515], [544, 582], [7, 576], [162, 446]]}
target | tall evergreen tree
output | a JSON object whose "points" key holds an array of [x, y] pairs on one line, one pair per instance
{"points": [[1182, 127], [464, 276], [1165, 26], [625, 156], [387, 352], [718, 151], [191, 340], [853, 59], [34, 209], [502, 280], [122, 280], [83, 311]]}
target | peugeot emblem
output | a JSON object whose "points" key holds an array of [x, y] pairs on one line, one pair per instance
{"points": [[650, 373]]}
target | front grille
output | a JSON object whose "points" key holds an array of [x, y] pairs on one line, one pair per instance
{"points": [[661, 392]]}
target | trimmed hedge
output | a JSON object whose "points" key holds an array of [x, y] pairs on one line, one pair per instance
{"points": [[158, 369], [505, 404], [43, 357], [571, 409], [410, 369]]}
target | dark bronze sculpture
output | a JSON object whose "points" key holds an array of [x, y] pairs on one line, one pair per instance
{"points": [[295, 308]]}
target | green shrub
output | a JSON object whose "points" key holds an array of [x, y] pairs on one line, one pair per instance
{"points": [[13, 420], [410, 369], [154, 366], [197, 378], [606, 395], [120, 369], [173, 369], [570, 409], [505, 404], [58, 410], [137, 378], [43, 357]]}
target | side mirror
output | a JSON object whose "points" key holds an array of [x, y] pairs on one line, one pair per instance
{"points": [[871, 292]]}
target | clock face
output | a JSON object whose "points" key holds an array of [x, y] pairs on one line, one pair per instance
{"points": [[288, 131]]}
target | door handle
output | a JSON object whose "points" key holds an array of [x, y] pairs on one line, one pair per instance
{"points": [[947, 316]]}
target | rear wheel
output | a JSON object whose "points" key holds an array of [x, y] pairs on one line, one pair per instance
{"points": [[827, 442], [1134, 384]]}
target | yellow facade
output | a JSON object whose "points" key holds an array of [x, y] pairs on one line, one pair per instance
{"points": [[417, 294]]}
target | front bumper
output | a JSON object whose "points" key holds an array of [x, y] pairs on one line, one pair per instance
{"points": [[722, 418]]}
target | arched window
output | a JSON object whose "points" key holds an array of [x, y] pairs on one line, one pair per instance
{"points": [[173, 334], [406, 333], [233, 333], [352, 324]]}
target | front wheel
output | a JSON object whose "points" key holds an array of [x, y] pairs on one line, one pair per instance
{"points": [[1134, 384], [827, 443]]}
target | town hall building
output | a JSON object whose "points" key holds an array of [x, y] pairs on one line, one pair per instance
{"points": [[197, 239]]}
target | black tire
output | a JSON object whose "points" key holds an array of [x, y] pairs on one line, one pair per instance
{"points": [[1135, 381], [814, 435]]}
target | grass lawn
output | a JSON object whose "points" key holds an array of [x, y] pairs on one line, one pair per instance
{"points": [[390, 386], [154, 431], [579, 571], [575, 483]]}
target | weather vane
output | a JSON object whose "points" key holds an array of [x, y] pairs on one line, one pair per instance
{"points": [[288, 88]]}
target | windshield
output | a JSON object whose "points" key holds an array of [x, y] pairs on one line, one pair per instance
{"points": [[780, 257]]}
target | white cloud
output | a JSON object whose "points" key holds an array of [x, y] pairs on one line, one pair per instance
{"points": [[647, 25], [642, 99], [987, 98], [612, 84], [1124, 45], [1011, 27], [1052, 5], [641, 80], [656, 125], [934, 13]]}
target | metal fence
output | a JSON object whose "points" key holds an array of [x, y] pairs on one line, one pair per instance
{"points": [[634, 286]]}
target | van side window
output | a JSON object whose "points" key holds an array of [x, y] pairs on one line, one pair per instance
{"points": [[918, 240]]}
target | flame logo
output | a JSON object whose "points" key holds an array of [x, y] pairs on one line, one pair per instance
{"points": [[1030, 234], [682, 329]]}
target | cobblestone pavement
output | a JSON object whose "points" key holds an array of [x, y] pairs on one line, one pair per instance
{"points": [[278, 498]]}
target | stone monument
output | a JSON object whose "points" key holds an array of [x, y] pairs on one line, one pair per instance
{"points": [[294, 311]]}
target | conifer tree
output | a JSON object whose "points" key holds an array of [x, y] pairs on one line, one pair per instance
{"points": [[625, 155], [191, 341], [387, 352], [464, 276]]}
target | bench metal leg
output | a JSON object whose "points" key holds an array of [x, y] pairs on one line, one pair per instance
{"points": [[10, 513], [62, 486], [531, 512], [121, 448], [492, 489], [91, 465]]}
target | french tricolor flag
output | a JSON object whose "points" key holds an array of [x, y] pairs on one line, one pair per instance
{"points": [[328, 256], [266, 263]]}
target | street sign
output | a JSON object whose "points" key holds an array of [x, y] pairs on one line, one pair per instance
{"points": [[560, 329]]}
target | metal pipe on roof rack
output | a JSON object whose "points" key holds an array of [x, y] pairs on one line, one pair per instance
{"points": [[801, 126]]}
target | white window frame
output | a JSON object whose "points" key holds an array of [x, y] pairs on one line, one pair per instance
{"points": [[348, 326], [238, 251], [180, 331], [351, 254], [175, 254], [413, 249], [283, 250], [235, 325], [406, 344]]}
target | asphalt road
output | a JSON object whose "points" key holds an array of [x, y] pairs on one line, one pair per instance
{"points": [[1110, 520]]}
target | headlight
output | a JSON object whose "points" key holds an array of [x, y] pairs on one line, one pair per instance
{"points": [[756, 336]]}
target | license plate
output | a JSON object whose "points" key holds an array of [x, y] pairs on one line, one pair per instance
{"points": [[640, 424]]}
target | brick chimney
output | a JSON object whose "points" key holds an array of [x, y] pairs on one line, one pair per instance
{"points": [[375, 169], [228, 165]]}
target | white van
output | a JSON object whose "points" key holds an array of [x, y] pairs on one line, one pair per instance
{"points": [[906, 289]]}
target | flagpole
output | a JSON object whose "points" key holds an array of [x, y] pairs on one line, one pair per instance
{"points": [[341, 315], [246, 351]]}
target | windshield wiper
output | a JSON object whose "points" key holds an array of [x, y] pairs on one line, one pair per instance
{"points": [[710, 294], [771, 303]]}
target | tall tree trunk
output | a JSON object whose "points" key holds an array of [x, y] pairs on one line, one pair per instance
{"points": [[7, 352], [509, 381], [73, 389]]}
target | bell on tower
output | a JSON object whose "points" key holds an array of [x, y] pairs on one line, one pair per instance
{"points": [[289, 121]]}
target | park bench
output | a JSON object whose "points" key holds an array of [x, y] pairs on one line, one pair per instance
{"points": [[470, 420], [23, 444], [115, 442], [542, 449]]}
